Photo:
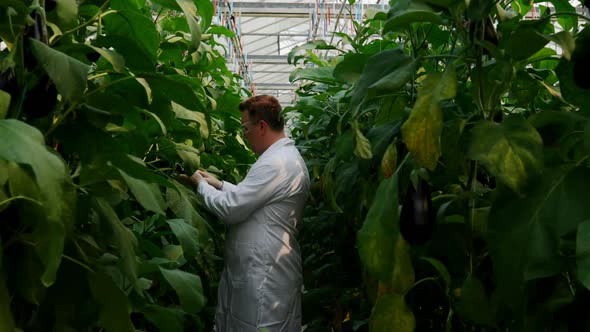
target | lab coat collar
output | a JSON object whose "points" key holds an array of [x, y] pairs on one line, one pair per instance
{"points": [[276, 146]]}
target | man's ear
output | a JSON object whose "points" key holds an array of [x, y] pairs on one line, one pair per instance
{"points": [[263, 127]]}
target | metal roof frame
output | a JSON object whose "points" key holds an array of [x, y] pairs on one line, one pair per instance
{"points": [[266, 31]]}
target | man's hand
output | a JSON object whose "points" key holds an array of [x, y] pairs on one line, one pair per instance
{"points": [[192, 180], [210, 179]]}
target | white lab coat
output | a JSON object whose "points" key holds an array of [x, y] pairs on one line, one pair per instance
{"points": [[260, 285]]}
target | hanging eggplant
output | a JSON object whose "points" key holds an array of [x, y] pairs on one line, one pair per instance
{"points": [[580, 60], [40, 95], [417, 217]]}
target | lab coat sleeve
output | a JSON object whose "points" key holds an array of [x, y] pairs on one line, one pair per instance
{"points": [[227, 186], [256, 190]]}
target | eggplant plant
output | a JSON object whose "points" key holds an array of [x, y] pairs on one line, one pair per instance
{"points": [[98, 100], [448, 148]]}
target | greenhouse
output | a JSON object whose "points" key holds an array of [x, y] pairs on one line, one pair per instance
{"points": [[243, 165]]}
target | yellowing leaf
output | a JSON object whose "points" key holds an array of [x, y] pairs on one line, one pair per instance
{"points": [[383, 251], [198, 117], [421, 132], [511, 151], [362, 147], [389, 161], [4, 103], [392, 314]]}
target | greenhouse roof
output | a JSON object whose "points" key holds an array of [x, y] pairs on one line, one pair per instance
{"points": [[267, 31]]}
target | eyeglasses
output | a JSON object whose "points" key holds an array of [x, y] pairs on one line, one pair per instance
{"points": [[245, 129]]}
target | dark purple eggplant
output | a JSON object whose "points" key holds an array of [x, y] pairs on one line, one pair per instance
{"points": [[580, 60], [50, 5], [417, 218], [40, 95]]}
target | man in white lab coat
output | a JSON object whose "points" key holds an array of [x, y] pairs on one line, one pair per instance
{"points": [[260, 287]]}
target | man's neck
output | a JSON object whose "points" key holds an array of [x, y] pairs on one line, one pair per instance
{"points": [[273, 138]]}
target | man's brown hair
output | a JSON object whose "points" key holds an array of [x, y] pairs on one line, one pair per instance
{"points": [[264, 107]]}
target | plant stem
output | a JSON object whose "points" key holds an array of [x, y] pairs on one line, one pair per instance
{"points": [[471, 213], [336, 25], [108, 85], [71, 259], [424, 280], [58, 121], [14, 198]]}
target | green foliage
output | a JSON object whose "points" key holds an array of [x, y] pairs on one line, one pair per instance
{"points": [[497, 124], [95, 232]]}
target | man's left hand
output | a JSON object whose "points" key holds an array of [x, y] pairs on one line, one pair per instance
{"points": [[192, 180]]}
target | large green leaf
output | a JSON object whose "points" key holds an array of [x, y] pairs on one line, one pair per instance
{"points": [[565, 40], [188, 288], [189, 155], [147, 194], [198, 117], [416, 12], [135, 5], [392, 314], [206, 12], [183, 207], [24, 144], [113, 57], [567, 22], [68, 74], [174, 88], [474, 304], [511, 151], [524, 232], [497, 76], [321, 75], [312, 45], [422, 131], [174, 24], [526, 40], [113, 305], [394, 80], [134, 36], [170, 4], [350, 68], [165, 319], [378, 66], [583, 253], [67, 10], [187, 235], [123, 238]]}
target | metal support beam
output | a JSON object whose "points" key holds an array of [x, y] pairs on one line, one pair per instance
{"points": [[287, 9], [275, 86]]}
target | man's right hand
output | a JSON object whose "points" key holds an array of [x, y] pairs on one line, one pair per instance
{"points": [[211, 179]]}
